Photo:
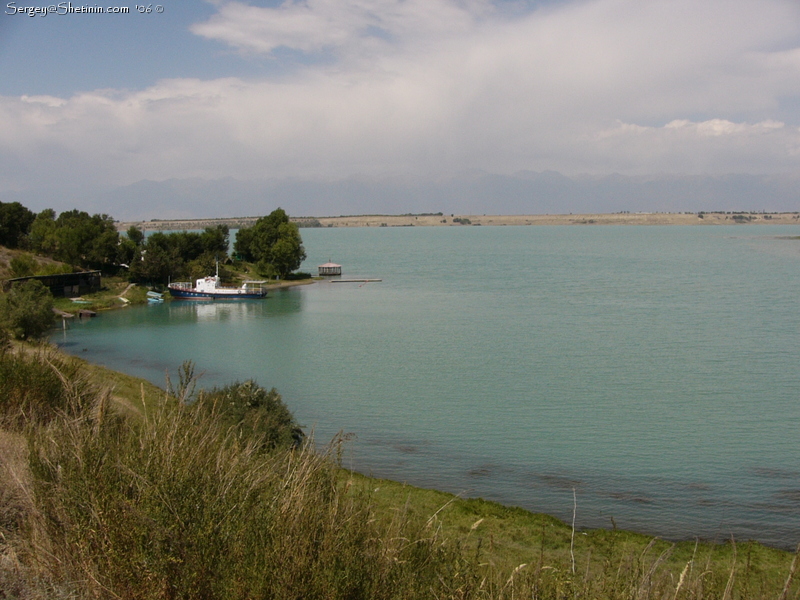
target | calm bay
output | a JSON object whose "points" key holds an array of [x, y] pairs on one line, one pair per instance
{"points": [[655, 371]]}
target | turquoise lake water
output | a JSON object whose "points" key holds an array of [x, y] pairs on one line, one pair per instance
{"points": [[655, 370]]}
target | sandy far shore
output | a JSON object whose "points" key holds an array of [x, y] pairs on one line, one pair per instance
{"points": [[584, 219], [455, 220]]}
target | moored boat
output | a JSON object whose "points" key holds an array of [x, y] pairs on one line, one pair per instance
{"points": [[209, 288]]}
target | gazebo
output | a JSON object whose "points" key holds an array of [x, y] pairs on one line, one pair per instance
{"points": [[330, 268]]}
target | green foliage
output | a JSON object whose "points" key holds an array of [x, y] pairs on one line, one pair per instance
{"points": [[15, 224], [297, 276], [135, 235], [287, 252], [206, 264], [182, 254], [23, 265], [26, 311], [243, 243], [76, 238], [54, 269], [215, 240], [42, 237], [254, 413], [154, 264], [274, 243]]}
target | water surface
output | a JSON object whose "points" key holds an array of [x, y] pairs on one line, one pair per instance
{"points": [[652, 369]]}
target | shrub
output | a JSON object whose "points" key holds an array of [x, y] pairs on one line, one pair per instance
{"points": [[297, 276], [23, 265], [254, 413], [26, 311]]}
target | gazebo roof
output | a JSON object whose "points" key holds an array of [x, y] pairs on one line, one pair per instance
{"points": [[329, 264]]}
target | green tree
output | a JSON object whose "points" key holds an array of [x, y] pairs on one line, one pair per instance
{"points": [[86, 241], [288, 252], [43, 232], [244, 240], [129, 245], [15, 223], [273, 242], [76, 238], [215, 240], [154, 264], [26, 311], [135, 235]]}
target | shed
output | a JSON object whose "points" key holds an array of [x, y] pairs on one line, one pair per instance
{"points": [[66, 284], [330, 268]]}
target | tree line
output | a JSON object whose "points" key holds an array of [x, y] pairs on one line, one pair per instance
{"points": [[85, 241]]}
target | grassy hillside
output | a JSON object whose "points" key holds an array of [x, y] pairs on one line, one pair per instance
{"points": [[112, 488]]}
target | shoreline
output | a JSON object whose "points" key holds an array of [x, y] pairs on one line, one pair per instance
{"points": [[449, 220]]}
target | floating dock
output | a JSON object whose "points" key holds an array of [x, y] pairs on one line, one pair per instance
{"points": [[354, 280]]}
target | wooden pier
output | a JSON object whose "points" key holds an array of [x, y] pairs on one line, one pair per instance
{"points": [[354, 280]]}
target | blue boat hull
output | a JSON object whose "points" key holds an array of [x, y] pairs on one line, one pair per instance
{"points": [[237, 295]]}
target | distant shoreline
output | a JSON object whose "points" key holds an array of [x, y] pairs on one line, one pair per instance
{"points": [[455, 220]]}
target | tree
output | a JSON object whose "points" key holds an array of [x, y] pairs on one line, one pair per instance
{"points": [[43, 232], [27, 310], [180, 254], [288, 252], [273, 242], [135, 235], [86, 241], [154, 264], [215, 240], [244, 240], [15, 223], [76, 238]]}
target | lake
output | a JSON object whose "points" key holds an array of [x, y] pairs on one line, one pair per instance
{"points": [[653, 370]]}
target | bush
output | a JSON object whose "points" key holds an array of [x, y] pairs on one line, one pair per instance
{"points": [[23, 265], [27, 310], [297, 276], [254, 413]]}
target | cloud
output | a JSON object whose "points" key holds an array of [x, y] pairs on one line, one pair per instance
{"points": [[712, 146], [422, 87], [339, 26]]}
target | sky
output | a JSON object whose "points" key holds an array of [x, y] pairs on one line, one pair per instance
{"points": [[212, 108]]}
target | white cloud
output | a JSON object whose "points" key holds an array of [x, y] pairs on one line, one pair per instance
{"points": [[715, 146], [426, 86], [338, 26]]}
